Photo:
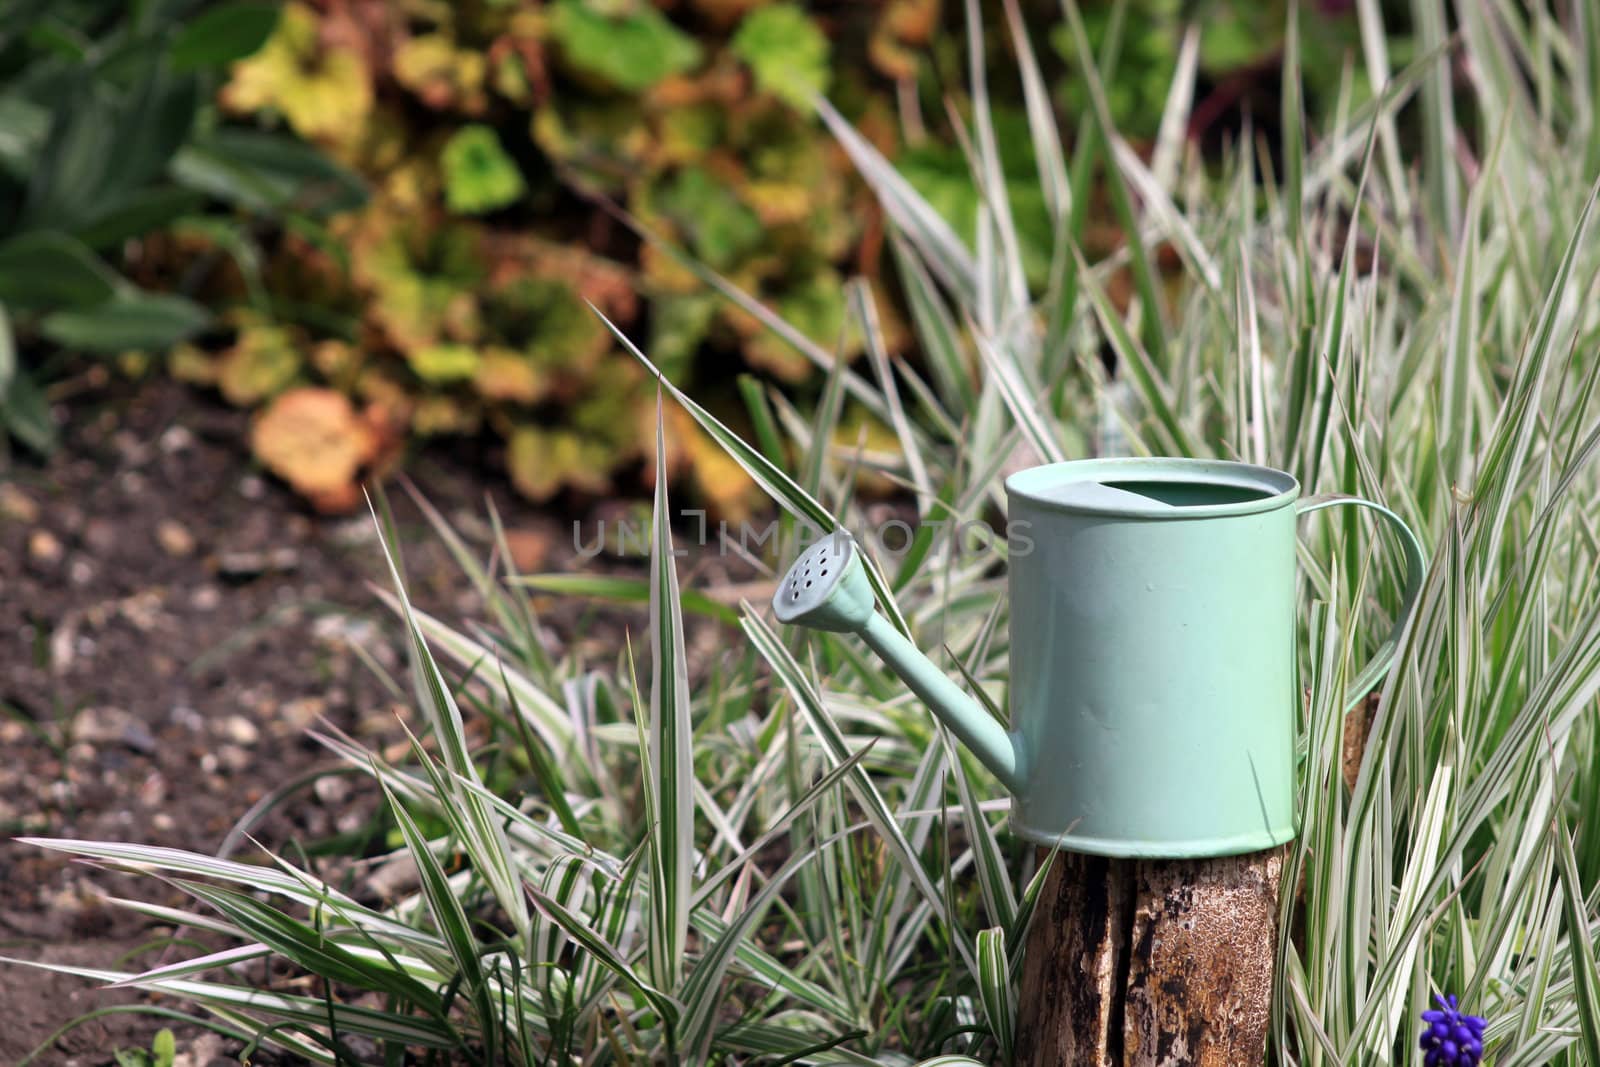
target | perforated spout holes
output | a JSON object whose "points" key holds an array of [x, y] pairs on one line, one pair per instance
{"points": [[808, 583]]}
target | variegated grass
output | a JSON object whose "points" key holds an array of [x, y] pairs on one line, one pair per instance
{"points": [[790, 863]]}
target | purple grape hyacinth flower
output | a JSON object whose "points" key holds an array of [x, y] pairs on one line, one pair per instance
{"points": [[1453, 1038]]}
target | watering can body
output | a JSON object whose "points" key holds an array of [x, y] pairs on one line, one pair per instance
{"points": [[1152, 658], [1152, 675]]}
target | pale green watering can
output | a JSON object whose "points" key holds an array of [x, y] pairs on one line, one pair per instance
{"points": [[1152, 652]]}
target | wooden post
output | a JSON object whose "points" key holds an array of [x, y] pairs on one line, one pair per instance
{"points": [[1150, 963]]}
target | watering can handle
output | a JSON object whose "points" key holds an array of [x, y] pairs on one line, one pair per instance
{"points": [[1416, 570]]}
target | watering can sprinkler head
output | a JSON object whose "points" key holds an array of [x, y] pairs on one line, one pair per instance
{"points": [[827, 589]]}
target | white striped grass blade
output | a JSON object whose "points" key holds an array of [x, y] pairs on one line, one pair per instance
{"points": [[993, 880], [1421, 862], [1580, 944], [671, 755], [1048, 157], [455, 928], [995, 989], [943, 252], [227, 957], [866, 312], [308, 1011], [1172, 132]]}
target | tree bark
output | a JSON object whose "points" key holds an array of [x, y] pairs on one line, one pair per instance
{"points": [[1150, 963]]}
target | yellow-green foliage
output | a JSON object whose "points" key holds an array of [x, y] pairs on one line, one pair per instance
{"points": [[454, 299]]}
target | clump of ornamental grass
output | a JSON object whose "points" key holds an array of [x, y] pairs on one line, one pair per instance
{"points": [[790, 862]]}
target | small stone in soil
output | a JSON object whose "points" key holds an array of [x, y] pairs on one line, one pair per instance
{"points": [[174, 538], [153, 790], [240, 566], [105, 725], [354, 533], [233, 758], [376, 722], [301, 713], [176, 439], [100, 535], [64, 644], [143, 610], [17, 505], [365, 1049], [185, 716], [205, 598], [44, 549], [332, 790], [240, 730], [338, 628], [202, 1051], [134, 452], [394, 876]]}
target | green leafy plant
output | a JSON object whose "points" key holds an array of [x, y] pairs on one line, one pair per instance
{"points": [[478, 175], [502, 141], [756, 855], [631, 45], [787, 51], [163, 1050], [108, 140]]}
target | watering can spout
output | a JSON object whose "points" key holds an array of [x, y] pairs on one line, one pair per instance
{"points": [[827, 589], [995, 748]]}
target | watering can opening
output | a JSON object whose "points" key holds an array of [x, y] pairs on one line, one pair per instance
{"points": [[1191, 494], [1156, 488]]}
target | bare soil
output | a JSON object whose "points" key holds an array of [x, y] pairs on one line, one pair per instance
{"points": [[171, 620]]}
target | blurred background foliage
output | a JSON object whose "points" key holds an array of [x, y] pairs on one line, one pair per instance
{"points": [[110, 145], [380, 221]]}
